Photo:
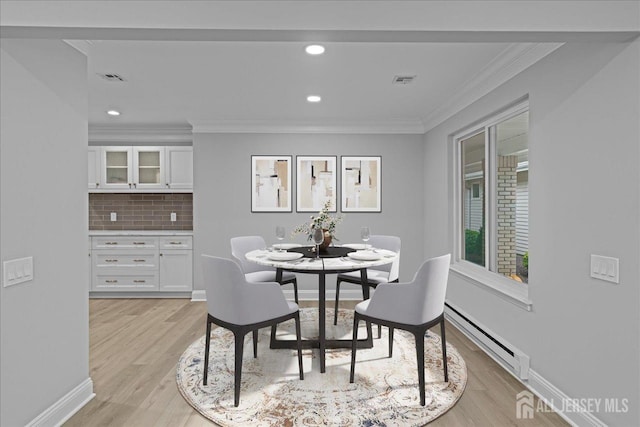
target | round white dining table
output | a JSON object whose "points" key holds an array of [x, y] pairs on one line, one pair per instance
{"points": [[334, 260]]}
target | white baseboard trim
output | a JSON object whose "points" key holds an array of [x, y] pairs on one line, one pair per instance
{"points": [[142, 295], [66, 406], [539, 386], [553, 396], [198, 295]]}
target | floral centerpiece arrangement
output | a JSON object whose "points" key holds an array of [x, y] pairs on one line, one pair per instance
{"points": [[323, 220]]}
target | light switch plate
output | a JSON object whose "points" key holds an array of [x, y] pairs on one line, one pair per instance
{"points": [[173, 217], [114, 216], [17, 271], [605, 268]]}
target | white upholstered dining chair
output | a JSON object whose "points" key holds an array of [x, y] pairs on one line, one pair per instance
{"points": [[241, 307], [254, 272], [412, 306], [384, 274]]}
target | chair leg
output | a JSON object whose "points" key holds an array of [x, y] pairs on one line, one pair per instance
{"points": [[356, 320], [295, 290], [207, 345], [335, 306], [299, 344], [444, 351], [379, 331], [239, 341], [255, 343], [420, 358], [390, 341]]}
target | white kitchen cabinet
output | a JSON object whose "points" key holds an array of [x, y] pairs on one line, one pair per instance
{"points": [[93, 163], [117, 168], [179, 172], [124, 242], [142, 264], [130, 169], [176, 263], [125, 269], [148, 167], [176, 270]]}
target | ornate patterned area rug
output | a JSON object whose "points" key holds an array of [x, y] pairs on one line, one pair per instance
{"points": [[385, 392]]}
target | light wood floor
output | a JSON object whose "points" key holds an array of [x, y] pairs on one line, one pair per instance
{"points": [[136, 343]]}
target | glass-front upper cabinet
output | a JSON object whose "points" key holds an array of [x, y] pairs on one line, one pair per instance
{"points": [[149, 167], [140, 168], [117, 170]]}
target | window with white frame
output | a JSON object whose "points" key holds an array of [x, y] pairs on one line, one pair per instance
{"points": [[492, 199]]}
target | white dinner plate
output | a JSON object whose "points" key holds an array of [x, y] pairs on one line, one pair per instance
{"points": [[286, 246], [364, 255], [284, 256], [356, 246]]}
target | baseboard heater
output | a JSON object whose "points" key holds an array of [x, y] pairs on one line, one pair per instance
{"points": [[499, 350]]}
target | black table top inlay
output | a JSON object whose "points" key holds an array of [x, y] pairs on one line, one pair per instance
{"points": [[330, 252]]}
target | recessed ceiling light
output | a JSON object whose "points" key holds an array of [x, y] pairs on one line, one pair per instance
{"points": [[314, 49], [313, 98], [113, 112]]}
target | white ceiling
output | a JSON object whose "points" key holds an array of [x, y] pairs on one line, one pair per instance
{"points": [[214, 82], [240, 65]]}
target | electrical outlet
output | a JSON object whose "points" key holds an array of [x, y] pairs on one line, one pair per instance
{"points": [[174, 217], [114, 216]]}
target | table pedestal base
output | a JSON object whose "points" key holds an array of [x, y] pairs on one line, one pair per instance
{"points": [[322, 343]]}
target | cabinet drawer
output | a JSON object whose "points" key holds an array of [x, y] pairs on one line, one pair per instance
{"points": [[113, 282], [120, 242], [176, 242], [119, 261]]}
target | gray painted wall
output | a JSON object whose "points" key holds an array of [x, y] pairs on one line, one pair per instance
{"points": [[583, 334], [44, 323], [222, 184]]}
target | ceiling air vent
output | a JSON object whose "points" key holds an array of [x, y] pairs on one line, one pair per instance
{"points": [[403, 80], [112, 77]]}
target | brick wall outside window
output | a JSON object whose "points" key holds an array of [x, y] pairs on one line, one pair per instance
{"points": [[506, 214]]}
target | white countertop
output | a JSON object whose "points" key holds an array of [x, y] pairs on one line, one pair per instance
{"points": [[140, 233]]}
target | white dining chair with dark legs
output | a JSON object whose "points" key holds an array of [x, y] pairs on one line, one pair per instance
{"points": [[413, 306], [388, 273], [242, 307], [254, 272]]}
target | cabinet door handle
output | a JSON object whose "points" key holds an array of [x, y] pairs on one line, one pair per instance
{"points": [[110, 243], [97, 184], [110, 260], [161, 254], [129, 185], [168, 186], [138, 243], [135, 185], [111, 281], [139, 260], [175, 243], [139, 281]]}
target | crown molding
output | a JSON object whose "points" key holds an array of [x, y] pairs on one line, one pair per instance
{"points": [[82, 46], [512, 61], [245, 126], [172, 134]]}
